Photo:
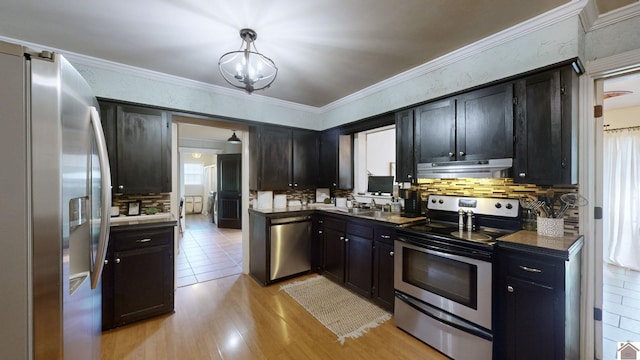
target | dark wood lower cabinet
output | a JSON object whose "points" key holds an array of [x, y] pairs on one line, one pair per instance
{"points": [[138, 278], [357, 254], [538, 311], [383, 291], [359, 264], [334, 254]]}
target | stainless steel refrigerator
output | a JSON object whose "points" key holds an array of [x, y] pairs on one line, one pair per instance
{"points": [[55, 197]]}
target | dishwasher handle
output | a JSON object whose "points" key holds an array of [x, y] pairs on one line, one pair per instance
{"points": [[289, 220]]}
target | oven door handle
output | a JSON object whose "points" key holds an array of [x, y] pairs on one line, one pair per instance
{"points": [[431, 246], [445, 317]]}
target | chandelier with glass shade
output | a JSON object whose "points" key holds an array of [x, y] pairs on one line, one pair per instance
{"points": [[246, 68]]}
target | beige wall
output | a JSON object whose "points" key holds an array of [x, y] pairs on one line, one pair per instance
{"points": [[622, 118]]}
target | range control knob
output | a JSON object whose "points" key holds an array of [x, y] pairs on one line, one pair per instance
{"points": [[433, 201], [498, 205], [441, 201], [509, 206]]}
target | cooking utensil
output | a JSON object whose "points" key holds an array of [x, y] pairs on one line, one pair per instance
{"points": [[535, 205], [571, 200]]}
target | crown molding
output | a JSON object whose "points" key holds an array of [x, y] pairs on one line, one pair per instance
{"points": [[549, 18], [589, 15], [183, 82], [622, 63], [103, 64], [612, 17]]}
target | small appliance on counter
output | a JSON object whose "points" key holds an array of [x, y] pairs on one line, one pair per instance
{"points": [[412, 203]]}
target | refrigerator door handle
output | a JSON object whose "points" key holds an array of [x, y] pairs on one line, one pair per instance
{"points": [[105, 197]]}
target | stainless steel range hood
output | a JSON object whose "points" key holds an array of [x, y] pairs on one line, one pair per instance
{"points": [[494, 168]]}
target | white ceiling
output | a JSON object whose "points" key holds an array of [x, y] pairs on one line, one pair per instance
{"points": [[325, 49], [629, 82]]}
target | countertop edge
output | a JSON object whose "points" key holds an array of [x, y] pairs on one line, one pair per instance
{"points": [[389, 219]]}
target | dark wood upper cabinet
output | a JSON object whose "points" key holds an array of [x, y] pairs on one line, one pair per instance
{"points": [[336, 160], [405, 161], [305, 148], [546, 128], [477, 125], [484, 123], [139, 146], [435, 125], [283, 158]]}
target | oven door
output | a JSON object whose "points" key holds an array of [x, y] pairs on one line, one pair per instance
{"points": [[445, 279]]}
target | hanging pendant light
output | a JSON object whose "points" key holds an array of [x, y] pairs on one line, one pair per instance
{"points": [[234, 139], [246, 68]]}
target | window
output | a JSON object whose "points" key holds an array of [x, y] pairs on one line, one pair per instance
{"points": [[193, 174]]}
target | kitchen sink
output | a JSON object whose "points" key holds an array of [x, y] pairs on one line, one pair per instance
{"points": [[361, 211]]}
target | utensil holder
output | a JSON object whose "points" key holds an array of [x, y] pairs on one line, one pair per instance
{"points": [[550, 226]]}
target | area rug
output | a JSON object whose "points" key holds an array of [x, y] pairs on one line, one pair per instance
{"points": [[342, 312]]}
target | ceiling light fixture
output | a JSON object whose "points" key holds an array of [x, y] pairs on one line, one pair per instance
{"points": [[247, 69], [196, 155], [234, 139], [615, 93]]}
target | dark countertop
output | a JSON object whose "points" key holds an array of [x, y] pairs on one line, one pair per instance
{"points": [[564, 247], [385, 217], [143, 221]]}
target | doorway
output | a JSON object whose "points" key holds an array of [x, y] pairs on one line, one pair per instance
{"points": [[599, 335], [620, 256], [210, 136]]}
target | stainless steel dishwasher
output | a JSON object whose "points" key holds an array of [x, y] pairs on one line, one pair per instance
{"points": [[290, 246]]}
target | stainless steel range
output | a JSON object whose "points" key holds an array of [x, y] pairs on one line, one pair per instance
{"points": [[443, 271]]}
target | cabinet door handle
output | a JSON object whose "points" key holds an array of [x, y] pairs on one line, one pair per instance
{"points": [[106, 261], [385, 236], [120, 187], [346, 240], [143, 240], [390, 253], [522, 175], [117, 260], [319, 231], [461, 153], [510, 288], [451, 154], [533, 270], [341, 237]]}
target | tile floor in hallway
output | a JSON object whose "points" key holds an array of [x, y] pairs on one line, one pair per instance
{"points": [[207, 252], [621, 308]]}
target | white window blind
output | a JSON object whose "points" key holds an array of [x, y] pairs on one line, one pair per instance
{"points": [[193, 174]]}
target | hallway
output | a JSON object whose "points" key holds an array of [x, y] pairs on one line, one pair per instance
{"points": [[207, 252]]}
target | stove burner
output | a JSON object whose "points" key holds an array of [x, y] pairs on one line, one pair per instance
{"points": [[436, 225], [472, 236]]}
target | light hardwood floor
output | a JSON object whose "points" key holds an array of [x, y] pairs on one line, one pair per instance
{"points": [[235, 318]]}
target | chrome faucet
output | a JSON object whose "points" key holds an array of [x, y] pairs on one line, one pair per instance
{"points": [[373, 203]]}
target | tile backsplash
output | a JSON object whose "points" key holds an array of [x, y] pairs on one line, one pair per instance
{"points": [[161, 201], [499, 188]]}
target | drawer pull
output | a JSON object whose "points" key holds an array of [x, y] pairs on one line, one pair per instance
{"points": [[390, 253], [510, 288], [533, 270], [143, 240], [385, 236], [117, 261]]}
